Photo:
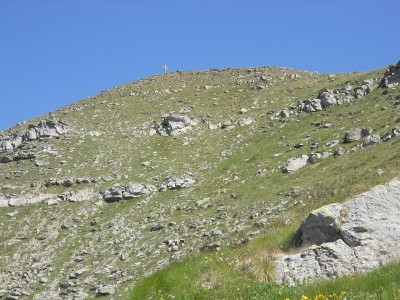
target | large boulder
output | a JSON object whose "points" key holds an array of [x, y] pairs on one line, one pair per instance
{"points": [[355, 134], [355, 236], [327, 98], [391, 77]]}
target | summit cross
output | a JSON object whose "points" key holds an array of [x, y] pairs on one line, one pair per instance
{"points": [[165, 68]]}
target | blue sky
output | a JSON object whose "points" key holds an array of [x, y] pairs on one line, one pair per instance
{"points": [[53, 53]]}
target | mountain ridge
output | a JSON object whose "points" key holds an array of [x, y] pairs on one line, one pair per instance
{"points": [[167, 165]]}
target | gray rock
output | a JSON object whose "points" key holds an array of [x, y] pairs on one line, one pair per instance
{"points": [[331, 144], [245, 121], [352, 135], [204, 203], [340, 151], [78, 196], [327, 98], [156, 227], [310, 105], [17, 156], [355, 236], [372, 140], [28, 199], [134, 190], [391, 77], [284, 113], [106, 290], [174, 125], [295, 163], [118, 192], [396, 131], [176, 183]]}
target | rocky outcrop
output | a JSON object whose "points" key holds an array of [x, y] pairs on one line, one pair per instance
{"points": [[174, 125], [12, 201], [391, 77], [17, 156], [355, 236], [78, 196], [132, 190], [327, 98], [44, 129]]}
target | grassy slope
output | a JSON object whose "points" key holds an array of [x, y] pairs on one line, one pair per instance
{"points": [[122, 122], [224, 275]]}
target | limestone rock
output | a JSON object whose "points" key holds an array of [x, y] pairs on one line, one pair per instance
{"points": [[118, 192], [176, 183], [44, 129], [352, 135], [355, 236], [78, 196], [174, 125], [245, 121], [371, 140], [295, 163], [391, 77], [106, 290]]}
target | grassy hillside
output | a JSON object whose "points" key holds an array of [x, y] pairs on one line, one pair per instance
{"points": [[72, 249]]}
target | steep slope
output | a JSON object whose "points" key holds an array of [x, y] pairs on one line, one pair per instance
{"points": [[114, 187]]}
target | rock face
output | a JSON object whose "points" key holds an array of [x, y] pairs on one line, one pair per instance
{"points": [[355, 236], [174, 125], [391, 77], [295, 163]]}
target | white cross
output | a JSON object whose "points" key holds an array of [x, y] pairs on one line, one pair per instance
{"points": [[165, 68]]}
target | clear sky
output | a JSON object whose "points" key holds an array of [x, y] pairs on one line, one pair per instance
{"points": [[55, 52]]}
